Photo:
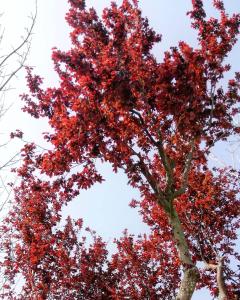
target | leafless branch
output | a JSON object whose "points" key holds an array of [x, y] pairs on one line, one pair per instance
{"points": [[10, 64], [3, 204], [19, 52], [10, 161]]}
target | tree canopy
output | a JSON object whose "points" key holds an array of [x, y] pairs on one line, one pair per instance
{"points": [[156, 121]]}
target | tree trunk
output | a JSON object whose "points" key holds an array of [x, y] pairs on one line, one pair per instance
{"points": [[220, 280], [190, 271]]}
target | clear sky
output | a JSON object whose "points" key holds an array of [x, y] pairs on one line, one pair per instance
{"points": [[104, 207]]}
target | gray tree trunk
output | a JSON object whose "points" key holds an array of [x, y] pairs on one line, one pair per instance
{"points": [[190, 271]]}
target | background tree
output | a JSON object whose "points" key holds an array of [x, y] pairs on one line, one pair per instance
{"points": [[11, 62], [157, 121], [19, 54]]}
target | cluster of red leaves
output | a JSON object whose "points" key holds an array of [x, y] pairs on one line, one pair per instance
{"points": [[115, 102]]}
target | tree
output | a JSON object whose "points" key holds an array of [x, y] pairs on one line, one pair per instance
{"points": [[20, 53], [157, 121], [12, 60]]}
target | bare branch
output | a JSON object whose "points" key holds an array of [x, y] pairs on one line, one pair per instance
{"points": [[22, 56], [10, 161], [9, 70], [3, 204]]}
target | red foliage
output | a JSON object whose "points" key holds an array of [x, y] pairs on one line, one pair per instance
{"points": [[157, 122]]}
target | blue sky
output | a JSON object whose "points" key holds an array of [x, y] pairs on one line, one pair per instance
{"points": [[104, 207]]}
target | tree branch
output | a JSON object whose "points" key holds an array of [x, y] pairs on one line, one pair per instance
{"points": [[186, 171], [219, 267], [140, 119], [166, 163], [159, 145], [149, 177], [15, 51]]}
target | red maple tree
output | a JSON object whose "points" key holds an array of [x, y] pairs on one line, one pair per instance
{"points": [[157, 121]]}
